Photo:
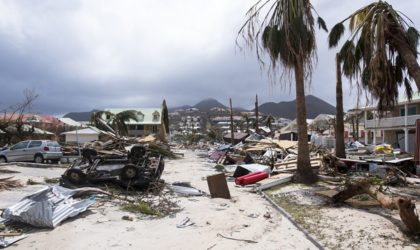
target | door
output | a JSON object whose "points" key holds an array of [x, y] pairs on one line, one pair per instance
{"points": [[33, 148], [18, 151]]}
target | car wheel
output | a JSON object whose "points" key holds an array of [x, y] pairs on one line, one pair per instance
{"points": [[129, 172], [38, 158], [3, 159], [76, 176]]}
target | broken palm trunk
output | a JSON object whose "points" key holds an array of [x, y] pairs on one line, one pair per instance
{"points": [[404, 205]]}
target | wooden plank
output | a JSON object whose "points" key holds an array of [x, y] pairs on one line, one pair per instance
{"points": [[395, 161], [218, 186], [272, 182], [315, 162]]}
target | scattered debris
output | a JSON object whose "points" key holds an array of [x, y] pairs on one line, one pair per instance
{"points": [[230, 238], [185, 190], [185, 223], [8, 183], [50, 206], [127, 217], [218, 186]]}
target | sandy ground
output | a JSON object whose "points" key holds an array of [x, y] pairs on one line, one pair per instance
{"points": [[102, 226], [345, 227]]}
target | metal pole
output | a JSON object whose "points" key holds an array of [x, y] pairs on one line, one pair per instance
{"points": [[77, 141]]}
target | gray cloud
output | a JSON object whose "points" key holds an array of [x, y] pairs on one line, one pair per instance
{"points": [[81, 55]]}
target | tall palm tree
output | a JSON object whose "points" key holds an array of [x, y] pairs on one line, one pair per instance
{"points": [[287, 35], [381, 50], [340, 150]]}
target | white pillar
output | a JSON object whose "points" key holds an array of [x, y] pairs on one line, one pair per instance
{"points": [[366, 131], [374, 137], [77, 140]]}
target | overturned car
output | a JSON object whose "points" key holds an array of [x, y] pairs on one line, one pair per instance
{"points": [[138, 168]]}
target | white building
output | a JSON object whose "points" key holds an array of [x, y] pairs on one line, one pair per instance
{"points": [[82, 135]]}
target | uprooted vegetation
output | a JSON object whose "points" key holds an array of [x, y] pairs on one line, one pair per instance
{"points": [[364, 223], [156, 201]]}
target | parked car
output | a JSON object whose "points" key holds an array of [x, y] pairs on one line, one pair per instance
{"points": [[32, 150]]}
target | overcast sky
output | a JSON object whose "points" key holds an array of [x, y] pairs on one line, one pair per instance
{"points": [[83, 55]]}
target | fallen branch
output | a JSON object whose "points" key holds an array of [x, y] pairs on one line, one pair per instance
{"points": [[229, 238], [404, 205]]}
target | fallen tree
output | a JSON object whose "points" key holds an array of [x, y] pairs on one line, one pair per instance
{"points": [[403, 204]]}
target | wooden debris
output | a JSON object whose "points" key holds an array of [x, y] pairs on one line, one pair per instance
{"points": [[404, 205], [218, 186]]}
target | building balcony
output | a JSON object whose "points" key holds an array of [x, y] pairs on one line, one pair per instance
{"points": [[392, 122]]}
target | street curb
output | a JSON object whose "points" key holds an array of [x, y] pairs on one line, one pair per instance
{"points": [[290, 218]]}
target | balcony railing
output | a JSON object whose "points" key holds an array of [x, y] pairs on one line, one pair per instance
{"points": [[392, 122]]}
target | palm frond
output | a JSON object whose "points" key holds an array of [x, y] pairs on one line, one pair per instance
{"points": [[335, 35], [322, 24], [413, 38]]}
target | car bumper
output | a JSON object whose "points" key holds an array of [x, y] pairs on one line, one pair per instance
{"points": [[52, 156]]}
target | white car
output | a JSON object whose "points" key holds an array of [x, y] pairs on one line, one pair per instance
{"points": [[32, 150]]}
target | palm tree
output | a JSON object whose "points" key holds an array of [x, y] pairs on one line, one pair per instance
{"points": [[165, 116], [247, 121], [269, 123], [117, 121], [381, 51], [339, 119], [287, 34], [120, 120]]}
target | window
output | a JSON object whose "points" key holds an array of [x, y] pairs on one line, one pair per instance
{"points": [[156, 116], [20, 145], [53, 144], [411, 111], [35, 144], [154, 129]]}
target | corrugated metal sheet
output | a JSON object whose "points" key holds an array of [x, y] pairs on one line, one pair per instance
{"points": [[48, 207], [9, 240]]}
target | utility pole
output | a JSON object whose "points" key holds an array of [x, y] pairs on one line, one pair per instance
{"points": [[231, 122], [256, 114]]}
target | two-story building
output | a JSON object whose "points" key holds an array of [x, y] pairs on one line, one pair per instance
{"points": [[149, 121], [396, 126]]}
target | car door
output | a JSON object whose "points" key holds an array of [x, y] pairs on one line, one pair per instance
{"points": [[33, 148], [18, 151]]}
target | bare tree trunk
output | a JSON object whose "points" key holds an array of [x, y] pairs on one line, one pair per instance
{"points": [[406, 207], [339, 128], [304, 172]]}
